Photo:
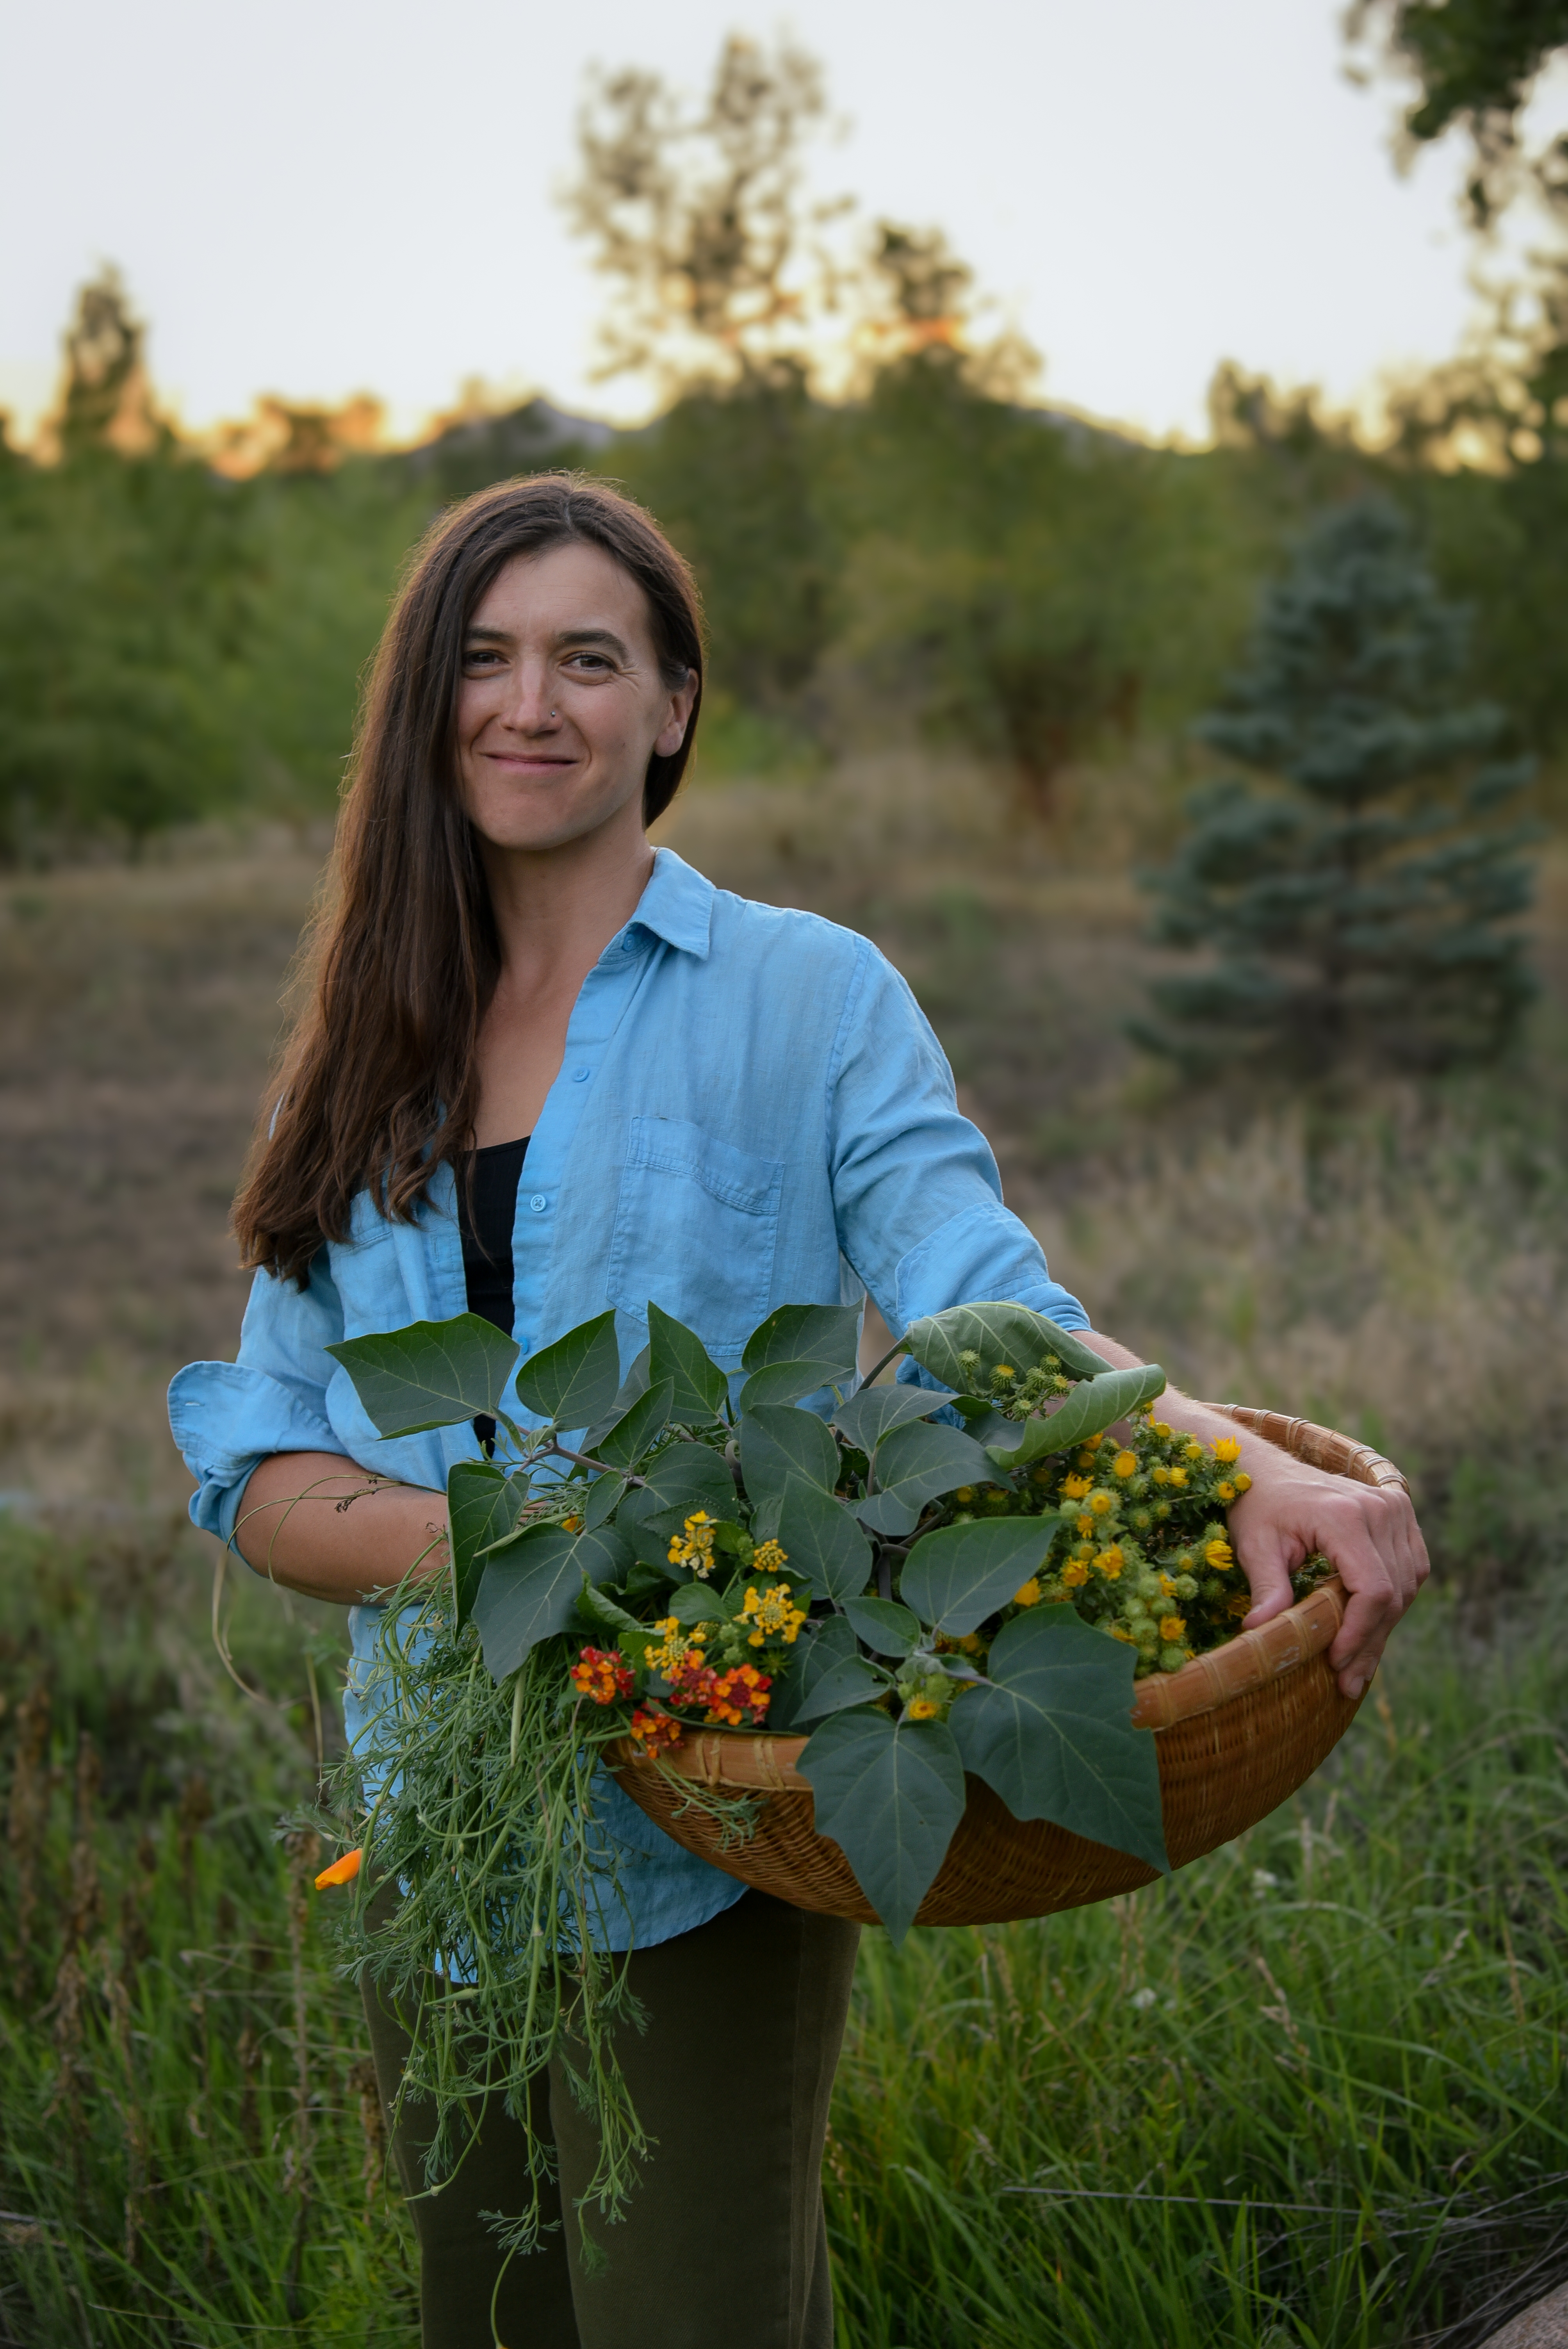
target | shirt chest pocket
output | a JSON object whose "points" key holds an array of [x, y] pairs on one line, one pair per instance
{"points": [[697, 1226]]}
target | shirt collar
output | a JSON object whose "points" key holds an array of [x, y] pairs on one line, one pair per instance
{"points": [[677, 905]]}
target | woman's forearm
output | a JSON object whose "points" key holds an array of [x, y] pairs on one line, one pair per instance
{"points": [[320, 1525]]}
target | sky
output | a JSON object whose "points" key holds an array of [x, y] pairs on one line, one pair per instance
{"points": [[325, 197]]}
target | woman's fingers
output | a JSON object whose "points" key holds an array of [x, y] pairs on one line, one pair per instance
{"points": [[1369, 1535], [1382, 1562], [1266, 1561]]}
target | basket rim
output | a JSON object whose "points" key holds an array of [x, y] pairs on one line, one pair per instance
{"points": [[758, 1760]]}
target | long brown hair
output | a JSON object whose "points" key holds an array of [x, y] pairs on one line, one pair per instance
{"points": [[377, 1086]]}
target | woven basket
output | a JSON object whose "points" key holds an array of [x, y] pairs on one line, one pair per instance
{"points": [[1239, 1730]]}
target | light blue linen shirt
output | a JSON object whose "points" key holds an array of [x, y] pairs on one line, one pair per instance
{"points": [[752, 1112]]}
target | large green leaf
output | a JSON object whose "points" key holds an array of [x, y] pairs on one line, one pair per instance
{"points": [[1051, 1731], [694, 1602], [1003, 1335], [622, 1445], [530, 1591], [819, 1649], [822, 1544], [573, 1381], [1088, 1410], [848, 1679], [641, 1519], [807, 1333], [885, 1626], [778, 1442], [781, 1382], [958, 1576], [686, 1478], [429, 1374], [890, 1794], [875, 1412], [482, 1506], [605, 1494], [913, 1464], [678, 1354], [635, 1384]]}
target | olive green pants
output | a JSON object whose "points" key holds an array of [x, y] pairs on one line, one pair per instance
{"points": [[723, 2242]]}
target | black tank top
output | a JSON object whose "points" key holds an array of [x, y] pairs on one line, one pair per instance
{"points": [[486, 1210]]}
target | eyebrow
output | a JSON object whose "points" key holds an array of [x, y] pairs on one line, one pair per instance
{"points": [[604, 638]]}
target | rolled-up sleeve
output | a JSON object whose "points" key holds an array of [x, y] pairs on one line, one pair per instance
{"points": [[227, 1417], [915, 1187]]}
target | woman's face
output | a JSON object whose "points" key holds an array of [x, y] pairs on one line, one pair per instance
{"points": [[562, 704]]}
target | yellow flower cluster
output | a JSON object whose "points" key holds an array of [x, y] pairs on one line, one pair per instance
{"points": [[772, 1614], [1141, 1550], [679, 1641], [694, 1547]]}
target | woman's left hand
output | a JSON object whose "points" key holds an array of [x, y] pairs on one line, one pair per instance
{"points": [[1367, 1532]]}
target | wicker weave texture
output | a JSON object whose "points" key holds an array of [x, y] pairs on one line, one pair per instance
{"points": [[1239, 1730]]}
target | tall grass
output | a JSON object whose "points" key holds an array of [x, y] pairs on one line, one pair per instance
{"points": [[1309, 2091]]}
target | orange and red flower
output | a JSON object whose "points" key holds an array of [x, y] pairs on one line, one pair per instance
{"points": [[601, 1674], [653, 1730]]}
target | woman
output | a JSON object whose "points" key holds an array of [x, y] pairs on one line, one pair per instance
{"points": [[547, 1070]]}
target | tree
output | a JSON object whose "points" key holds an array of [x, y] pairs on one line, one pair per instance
{"points": [[1357, 899], [1002, 553], [700, 215], [1476, 63], [701, 218], [106, 401]]}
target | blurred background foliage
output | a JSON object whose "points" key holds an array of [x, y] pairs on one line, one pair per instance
{"points": [[896, 538]]}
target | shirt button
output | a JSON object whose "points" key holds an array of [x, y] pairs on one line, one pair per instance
{"points": [[538, 1203], [579, 1076]]}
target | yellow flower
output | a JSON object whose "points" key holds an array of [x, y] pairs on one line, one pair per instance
{"points": [[971, 1643], [1171, 1626], [769, 1558], [1225, 1490], [1102, 1502], [1242, 1480], [1125, 1464], [1160, 1472], [1239, 1602], [1191, 1451], [1030, 1594], [1074, 1487], [921, 1708], [1226, 1448], [1120, 1631], [1110, 1562], [1073, 1573], [1219, 1555], [694, 1546], [1178, 1475], [964, 1493], [1086, 1524], [772, 1614], [570, 1525], [1162, 1430], [1005, 1370], [1165, 1585]]}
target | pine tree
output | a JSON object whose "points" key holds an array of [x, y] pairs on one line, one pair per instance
{"points": [[1358, 896]]}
